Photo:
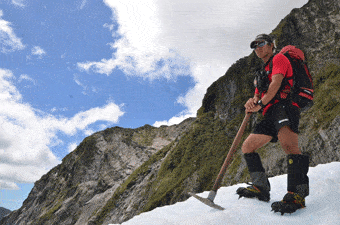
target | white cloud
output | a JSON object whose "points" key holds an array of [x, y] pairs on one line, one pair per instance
{"points": [[110, 113], [26, 135], [72, 147], [8, 186], [19, 3], [89, 132], [36, 50], [78, 82], [8, 39], [139, 55], [83, 3], [207, 35], [25, 77], [174, 120]]}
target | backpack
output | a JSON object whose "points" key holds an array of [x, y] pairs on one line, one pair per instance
{"points": [[300, 89]]}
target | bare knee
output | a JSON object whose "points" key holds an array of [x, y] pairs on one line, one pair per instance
{"points": [[247, 147], [289, 141], [290, 148], [254, 142]]}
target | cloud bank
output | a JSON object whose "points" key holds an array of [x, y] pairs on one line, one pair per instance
{"points": [[26, 135]]}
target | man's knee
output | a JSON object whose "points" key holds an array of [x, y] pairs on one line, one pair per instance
{"points": [[247, 147], [254, 142], [290, 147], [289, 141]]}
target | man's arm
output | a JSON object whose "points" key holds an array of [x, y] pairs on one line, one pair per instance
{"points": [[274, 86], [251, 105]]}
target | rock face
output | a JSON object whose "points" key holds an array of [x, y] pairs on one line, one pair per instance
{"points": [[118, 173], [4, 212]]}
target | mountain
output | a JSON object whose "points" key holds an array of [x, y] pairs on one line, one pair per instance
{"points": [[88, 177], [4, 212], [118, 173]]}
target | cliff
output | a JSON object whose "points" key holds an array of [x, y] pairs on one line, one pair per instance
{"points": [[118, 173]]}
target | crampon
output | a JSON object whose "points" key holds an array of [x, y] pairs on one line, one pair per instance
{"points": [[253, 192], [290, 203]]}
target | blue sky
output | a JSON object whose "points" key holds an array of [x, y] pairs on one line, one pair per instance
{"points": [[72, 68]]}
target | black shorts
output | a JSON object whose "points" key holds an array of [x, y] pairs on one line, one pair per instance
{"points": [[278, 116]]}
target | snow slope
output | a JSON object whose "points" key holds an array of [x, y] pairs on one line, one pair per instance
{"points": [[322, 205]]}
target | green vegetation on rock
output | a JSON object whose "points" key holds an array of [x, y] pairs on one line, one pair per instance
{"points": [[327, 96]]}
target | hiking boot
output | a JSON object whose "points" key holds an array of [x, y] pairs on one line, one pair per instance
{"points": [[290, 203], [260, 186], [253, 192]]}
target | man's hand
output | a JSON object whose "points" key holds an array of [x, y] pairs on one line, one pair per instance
{"points": [[251, 105]]}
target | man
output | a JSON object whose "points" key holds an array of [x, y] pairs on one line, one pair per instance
{"points": [[280, 123]]}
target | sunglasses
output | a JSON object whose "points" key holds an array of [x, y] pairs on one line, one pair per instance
{"points": [[260, 44]]}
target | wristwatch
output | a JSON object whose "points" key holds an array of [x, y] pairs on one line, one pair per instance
{"points": [[261, 104]]}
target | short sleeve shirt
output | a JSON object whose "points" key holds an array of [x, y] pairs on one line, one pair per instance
{"points": [[281, 65]]}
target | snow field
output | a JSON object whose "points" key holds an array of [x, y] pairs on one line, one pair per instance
{"points": [[322, 205]]}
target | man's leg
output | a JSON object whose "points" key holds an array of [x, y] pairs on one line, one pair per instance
{"points": [[289, 140], [297, 179], [260, 185], [254, 142], [298, 164]]}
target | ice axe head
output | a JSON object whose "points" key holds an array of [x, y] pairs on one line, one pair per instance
{"points": [[208, 201]]}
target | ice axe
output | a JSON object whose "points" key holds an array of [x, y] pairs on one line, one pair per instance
{"points": [[212, 194]]}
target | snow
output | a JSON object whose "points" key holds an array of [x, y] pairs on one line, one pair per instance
{"points": [[322, 205]]}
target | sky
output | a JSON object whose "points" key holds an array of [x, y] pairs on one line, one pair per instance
{"points": [[322, 205], [72, 68]]}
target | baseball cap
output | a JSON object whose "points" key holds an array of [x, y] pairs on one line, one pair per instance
{"points": [[261, 37]]}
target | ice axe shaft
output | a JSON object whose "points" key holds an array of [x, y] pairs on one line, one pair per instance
{"points": [[212, 194], [231, 152]]}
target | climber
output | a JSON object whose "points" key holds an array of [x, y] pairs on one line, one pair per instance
{"points": [[279, 123]]}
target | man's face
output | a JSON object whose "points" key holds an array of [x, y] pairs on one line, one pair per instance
{"points": [[263, 52]]}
